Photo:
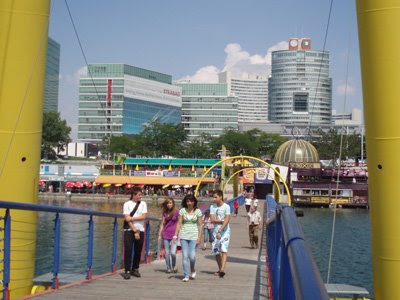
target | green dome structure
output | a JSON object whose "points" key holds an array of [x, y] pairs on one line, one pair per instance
{"points": [[298, 152]]}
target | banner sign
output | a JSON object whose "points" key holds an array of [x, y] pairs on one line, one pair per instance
{"points": [[170, 174], [261, 176]]}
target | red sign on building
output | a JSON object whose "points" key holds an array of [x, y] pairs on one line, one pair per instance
{"points": [[109, 91]]}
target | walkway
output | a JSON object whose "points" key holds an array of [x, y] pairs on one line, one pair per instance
{"points": [[245, 276]]}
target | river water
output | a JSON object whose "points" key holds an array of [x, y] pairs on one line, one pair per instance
{"points": [[351, 255], [351, 260]]}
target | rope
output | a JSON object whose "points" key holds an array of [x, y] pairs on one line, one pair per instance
{"points": [[339, 167], [320, 67]]}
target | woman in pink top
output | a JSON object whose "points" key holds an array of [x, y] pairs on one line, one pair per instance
{"points": [[167, 232]]}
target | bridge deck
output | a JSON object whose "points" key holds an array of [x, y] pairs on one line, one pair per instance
{"points": [[245, 276]]}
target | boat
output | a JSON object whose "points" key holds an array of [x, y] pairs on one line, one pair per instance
{"points": [[319, 187]]}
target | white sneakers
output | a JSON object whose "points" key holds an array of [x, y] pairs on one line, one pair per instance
{"points": [[192, 276]]}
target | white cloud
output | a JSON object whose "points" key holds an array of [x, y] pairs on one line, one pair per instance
{"points": [[207, 74], [74, 78], [341, 89], [240, 62]]}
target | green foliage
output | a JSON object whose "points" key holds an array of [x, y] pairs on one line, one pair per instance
{"points": [[198, 148], [159, 139], [268, 144], [55, 133], [328, 145], [120, 144], [253, 143], [236, 142]]}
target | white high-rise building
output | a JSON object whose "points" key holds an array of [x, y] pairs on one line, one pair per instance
{"points": [[300, 89], [252, 94]]}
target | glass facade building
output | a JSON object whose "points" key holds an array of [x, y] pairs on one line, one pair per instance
{"points": [[116, 99], [52, 76], [300, 89], [207, 108], [252, 94]]}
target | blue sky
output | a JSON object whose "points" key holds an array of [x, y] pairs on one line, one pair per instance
{"points": [[197, 39]]}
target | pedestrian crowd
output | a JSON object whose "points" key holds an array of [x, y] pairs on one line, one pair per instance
{"points": [[188, 228]]}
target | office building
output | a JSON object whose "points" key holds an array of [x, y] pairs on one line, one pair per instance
{"points": [[52, 76], [116, 99], [252, 94], [207, 108], [300, 89]]}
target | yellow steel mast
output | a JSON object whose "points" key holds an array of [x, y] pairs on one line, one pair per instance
{"points": [[379, 37], [23, 47]]}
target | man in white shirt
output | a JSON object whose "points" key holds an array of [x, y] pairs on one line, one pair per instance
{"points": [[254, 224], [135, 212]]}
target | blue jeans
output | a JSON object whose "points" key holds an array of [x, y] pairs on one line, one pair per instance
{"points": [[170, 253], [188, 251]]}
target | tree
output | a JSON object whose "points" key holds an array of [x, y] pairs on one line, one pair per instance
{"points": [[237, 143], [328, 145], [198, 148], [55, 134], [120, 144], [268, 144], [159, 139]]}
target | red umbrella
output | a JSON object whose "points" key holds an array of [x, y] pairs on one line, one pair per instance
{"points": [[79, 185], [69, 184], [129, 185], [42, 183], [87, 183], [141, 185]]}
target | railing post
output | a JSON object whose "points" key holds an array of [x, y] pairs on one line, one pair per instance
{"points": [[146, 253], [6, 259], [90, 250], [114, 246], [56, 254]]}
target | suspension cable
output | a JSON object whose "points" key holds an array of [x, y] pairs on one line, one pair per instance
{"points": [[320, 68], [339, 165]]}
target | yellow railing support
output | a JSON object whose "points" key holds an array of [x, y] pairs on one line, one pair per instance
{"points": [[379, 39], [241, 157]]}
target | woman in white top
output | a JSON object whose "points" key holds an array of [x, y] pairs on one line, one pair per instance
{"points": [[247, 202], [220, 213]]}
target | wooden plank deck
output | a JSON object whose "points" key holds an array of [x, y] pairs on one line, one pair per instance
{"points": [[246, 276]]}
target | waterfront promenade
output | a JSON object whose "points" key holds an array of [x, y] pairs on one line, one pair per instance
{"points": [[245, 276]]}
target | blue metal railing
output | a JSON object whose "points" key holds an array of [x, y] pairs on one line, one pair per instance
{"points": [[57, 237], [292, 271]]}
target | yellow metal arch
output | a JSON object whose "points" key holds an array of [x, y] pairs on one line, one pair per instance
{"points": [[251, 168], [241, 157]]}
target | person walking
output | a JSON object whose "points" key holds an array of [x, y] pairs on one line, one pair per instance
{"points": [[220, 215], [167, 231], [255, 201], [247, 202], [135, 213], [208, 228], [189, 227], [254, 225], [236, 207]]}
